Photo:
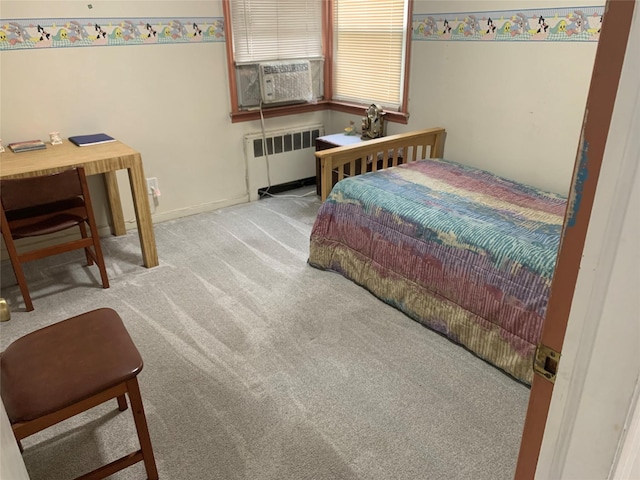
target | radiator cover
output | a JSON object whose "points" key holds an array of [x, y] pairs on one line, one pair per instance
{"points": [[289, 156]]}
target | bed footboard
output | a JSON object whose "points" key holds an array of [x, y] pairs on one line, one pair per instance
{"points": [[380, 153]]}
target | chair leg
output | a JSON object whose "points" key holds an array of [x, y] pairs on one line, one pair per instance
{"points": [[83, 233], [97, 248], [122, 403], [15, 263], [91, 221], [141, 426]]}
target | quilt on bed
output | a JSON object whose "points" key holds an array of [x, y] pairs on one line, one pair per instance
{"points": [[464, 252]]}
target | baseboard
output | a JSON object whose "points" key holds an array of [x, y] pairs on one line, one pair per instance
{"points": [[193, 210], [283, 187], [105, 230]]}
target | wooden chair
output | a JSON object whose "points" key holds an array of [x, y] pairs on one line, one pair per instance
{"points": [[59, 371], [47, 204]]}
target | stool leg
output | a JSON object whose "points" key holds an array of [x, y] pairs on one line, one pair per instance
{"points": [[141, 426], [122, 403]]}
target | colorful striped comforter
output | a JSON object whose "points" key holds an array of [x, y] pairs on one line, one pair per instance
{"points": [[462, 251]]}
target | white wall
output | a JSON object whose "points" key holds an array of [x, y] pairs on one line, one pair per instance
{"points": [[170, 102], [11, 464], [600, 365], [512, 108], [520, 119], [628, 465]]}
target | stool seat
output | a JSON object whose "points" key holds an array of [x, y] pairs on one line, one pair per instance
{"points": [[69, 367], [62, 364]]}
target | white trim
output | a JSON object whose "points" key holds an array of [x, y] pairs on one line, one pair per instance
{"points": [[11, 462], [573, 408], [627, 463]]}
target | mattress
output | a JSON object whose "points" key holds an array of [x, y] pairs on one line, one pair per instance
{"points": [[466, 253]]}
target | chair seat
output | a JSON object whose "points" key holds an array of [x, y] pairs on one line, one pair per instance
{"points": [[67, 362], [45, 219]]}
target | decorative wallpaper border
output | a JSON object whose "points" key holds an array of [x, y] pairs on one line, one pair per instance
{"points": [[89, 32], [579, 24]]}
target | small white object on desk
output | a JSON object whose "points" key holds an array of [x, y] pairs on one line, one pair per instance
{"points": [[55, 138]]}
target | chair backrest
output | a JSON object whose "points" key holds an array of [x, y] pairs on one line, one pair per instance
{"points": [[33, 191], [43, 205]]}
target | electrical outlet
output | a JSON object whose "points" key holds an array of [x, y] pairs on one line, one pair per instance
{"points": [[152, 184]]}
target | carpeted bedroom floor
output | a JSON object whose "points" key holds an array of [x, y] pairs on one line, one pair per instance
{"points": [[258, 366]]}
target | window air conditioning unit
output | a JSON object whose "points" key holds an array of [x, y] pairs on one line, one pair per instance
{"points": [[286, 81]]}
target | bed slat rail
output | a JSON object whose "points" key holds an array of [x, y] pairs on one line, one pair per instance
{"points": [[378, 154]]}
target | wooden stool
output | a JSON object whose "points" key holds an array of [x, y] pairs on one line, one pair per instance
{"points": [[69, 367]]}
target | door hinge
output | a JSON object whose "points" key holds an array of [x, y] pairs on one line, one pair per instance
{"points": [[546, 362]]}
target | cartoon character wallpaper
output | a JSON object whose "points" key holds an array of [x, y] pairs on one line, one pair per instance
{"points": [[40, 33], [490, 32], [44, 39], [540, 31], [519, 25], [44, 35], [472, 27], [542, 25], [76, 32], [446, 30], [62, 35], [491, 28], [129, 30], [428, 27], [16, 33], [577, 24], [551, 24], [178, 29]]}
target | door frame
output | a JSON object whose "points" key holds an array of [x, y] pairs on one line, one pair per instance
{"points": [[595, 129]]}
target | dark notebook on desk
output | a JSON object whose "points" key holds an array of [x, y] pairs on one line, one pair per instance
{"points": [[94, 139]]}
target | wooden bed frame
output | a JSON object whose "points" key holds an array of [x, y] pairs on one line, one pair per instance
{"points": [[340, 162]]}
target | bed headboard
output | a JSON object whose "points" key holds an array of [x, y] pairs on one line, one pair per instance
{"points": [[340, 162]]}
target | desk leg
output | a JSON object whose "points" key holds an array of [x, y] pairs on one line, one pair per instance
{"points": [[113, 194], [143, 214]]}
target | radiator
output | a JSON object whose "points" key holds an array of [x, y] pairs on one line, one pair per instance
{"points": [[290, 157]]}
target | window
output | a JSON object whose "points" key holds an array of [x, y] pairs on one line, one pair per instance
{"points": [[270, 30], [266, 30], [358, 51], [369, 51]]}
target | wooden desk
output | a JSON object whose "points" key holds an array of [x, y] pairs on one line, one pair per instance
{"points": [[104, 159]]}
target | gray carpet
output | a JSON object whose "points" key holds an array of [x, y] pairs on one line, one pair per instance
{"points": [[258, 366]]}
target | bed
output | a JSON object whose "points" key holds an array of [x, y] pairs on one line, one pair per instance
{"points": [[464, 252]]}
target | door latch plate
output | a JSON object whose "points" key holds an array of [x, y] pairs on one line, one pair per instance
{"points": [[546, 362]]}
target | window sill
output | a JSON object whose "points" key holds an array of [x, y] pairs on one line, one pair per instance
{"points": [[270, 112]]}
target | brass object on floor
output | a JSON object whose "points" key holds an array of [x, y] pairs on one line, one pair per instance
{"points": [[5, 313]]}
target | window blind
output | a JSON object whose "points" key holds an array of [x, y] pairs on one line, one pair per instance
{"points": [[276, 30], [369, 51]]}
